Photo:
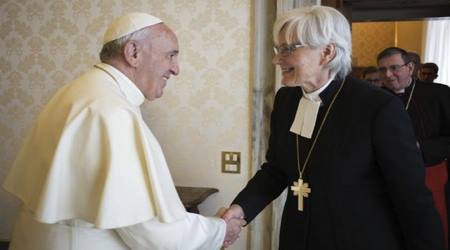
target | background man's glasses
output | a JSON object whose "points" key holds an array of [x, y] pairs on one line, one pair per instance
{"points": [[286, 49], [392, 68]]}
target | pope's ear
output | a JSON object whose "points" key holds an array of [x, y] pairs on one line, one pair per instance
{"points": [[130, 53], [328, 53]]}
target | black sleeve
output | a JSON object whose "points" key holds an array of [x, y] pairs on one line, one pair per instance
{"points": [[270, 180], [445, 113], [404, 173], [437, 148]]}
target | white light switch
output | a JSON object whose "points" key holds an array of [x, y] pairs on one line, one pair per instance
{"points": [[231, 167]]}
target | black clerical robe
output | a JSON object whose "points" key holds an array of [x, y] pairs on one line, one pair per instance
{"points": [[429, 110], [365, 173]]}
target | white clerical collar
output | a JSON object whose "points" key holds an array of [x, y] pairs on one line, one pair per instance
{"points": [[314, 96], [307, 110], [126, 86]]}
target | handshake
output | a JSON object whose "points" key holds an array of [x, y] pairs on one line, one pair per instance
{"points": [[234, 217]]}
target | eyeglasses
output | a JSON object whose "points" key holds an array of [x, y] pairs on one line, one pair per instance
{"points": [[287, 49], [393, 68]]}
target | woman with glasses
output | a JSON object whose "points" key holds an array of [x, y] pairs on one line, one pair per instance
{"points": [[344, 149]]}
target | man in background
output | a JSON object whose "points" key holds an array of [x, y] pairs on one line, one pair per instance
{"points": [[416, 62], [428, 106], [91, 175], [428, 72], [372, 75]]}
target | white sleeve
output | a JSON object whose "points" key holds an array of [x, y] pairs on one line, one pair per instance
{"points": [[194, 232]]}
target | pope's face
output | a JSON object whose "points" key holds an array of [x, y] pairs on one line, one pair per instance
{"points": [[159, 61]]}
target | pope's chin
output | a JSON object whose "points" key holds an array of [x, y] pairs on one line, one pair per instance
{"points": [[159, 90], [154, 96]]}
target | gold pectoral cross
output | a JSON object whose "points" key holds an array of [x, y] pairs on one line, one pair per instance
{"points": [[301, 190]]}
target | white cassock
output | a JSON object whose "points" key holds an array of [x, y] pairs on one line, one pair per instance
{"points": [[91, 175]]}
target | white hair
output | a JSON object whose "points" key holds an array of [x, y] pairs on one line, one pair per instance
{"points": [[319, 26], [113, 49]]}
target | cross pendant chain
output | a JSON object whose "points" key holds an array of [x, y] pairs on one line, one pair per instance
{"points": [[301, 190]]}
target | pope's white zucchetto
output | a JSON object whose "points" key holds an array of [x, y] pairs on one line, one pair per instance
{"points": [[128, 24]]}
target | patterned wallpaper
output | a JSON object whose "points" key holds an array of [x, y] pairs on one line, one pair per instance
{"points": [[369, 39], [205, 110]]}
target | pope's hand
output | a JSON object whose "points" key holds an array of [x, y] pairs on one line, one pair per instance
{"points": [[221, 212], [234, 217], [234, 211]]}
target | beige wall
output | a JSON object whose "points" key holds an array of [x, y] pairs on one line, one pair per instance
{"points": [[370, 38], [205, 110], [409, 36]]}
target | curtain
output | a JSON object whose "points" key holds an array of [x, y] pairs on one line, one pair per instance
{"points": [[262, 97], [278, 204], [437, 47], [264, 229]]}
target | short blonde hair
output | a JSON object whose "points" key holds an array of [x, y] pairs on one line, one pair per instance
{"points": [[318, 26]]}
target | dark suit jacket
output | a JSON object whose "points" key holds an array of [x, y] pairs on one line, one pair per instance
{"points": [[429, 111], [366, 176]]}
